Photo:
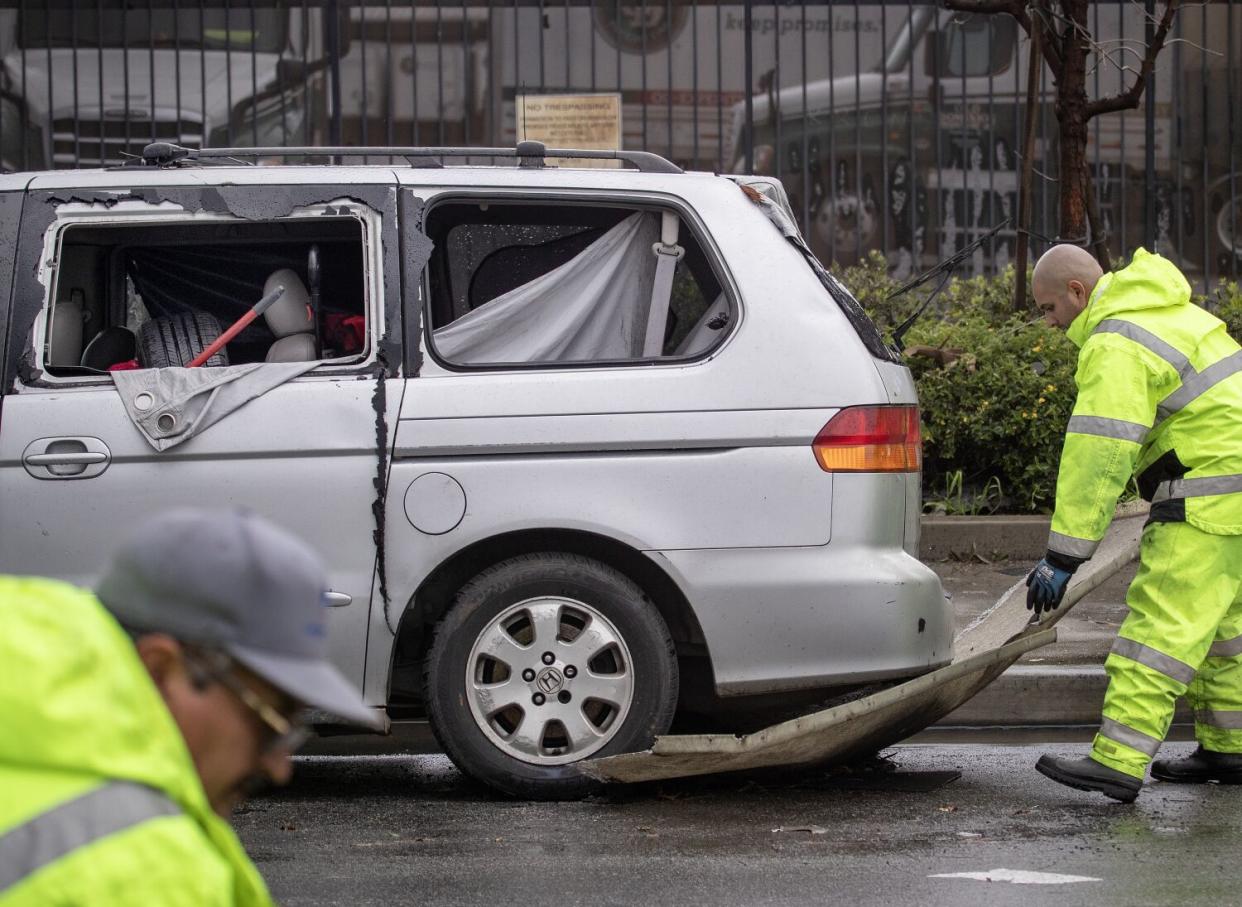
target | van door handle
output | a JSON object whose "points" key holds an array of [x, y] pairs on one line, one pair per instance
{"points": [[66, 458], [336, 599]]}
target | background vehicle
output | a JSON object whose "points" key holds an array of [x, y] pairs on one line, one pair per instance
{"points": [[548, 534], [919, 155], [88, 85]]}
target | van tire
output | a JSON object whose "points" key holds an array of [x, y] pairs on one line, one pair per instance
{"points": [[484, 604], [174, 340]]}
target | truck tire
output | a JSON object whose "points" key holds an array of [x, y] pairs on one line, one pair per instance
{"points": [[544, 660], [175, 340]]}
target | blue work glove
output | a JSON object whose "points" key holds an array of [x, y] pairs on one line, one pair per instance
{"points": [[1045, 586]]}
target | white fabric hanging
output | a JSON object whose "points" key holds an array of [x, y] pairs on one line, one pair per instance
{"points": [[593, 307], [171, 405]]}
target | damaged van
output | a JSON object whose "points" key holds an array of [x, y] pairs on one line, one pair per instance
{"points": [[586, 451]]}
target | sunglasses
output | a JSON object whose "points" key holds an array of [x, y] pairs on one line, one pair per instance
{"points": [[282, 732]]}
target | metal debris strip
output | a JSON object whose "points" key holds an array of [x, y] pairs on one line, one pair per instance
{"points": [[984, 649]]}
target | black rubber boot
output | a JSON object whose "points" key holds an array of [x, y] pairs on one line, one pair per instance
{"points": [[1087, 774], [1200, 767]]}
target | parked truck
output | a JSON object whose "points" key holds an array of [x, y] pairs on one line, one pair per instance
{"points": [[921, 154], [82, 88]]}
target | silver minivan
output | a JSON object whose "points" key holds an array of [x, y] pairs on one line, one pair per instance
{"points": [[585, 449]]}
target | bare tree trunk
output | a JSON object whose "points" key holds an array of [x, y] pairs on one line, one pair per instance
{"points": [[1024, 187], [1063, 41], [1072, 116]]}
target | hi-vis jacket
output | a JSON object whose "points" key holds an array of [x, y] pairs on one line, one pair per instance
{"points": [[1159, 396], [99, 799]]}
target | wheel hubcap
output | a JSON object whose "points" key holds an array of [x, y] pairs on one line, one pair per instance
{"points": [[549, 680]]}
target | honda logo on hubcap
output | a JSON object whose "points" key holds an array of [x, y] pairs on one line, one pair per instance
{"points": [[549, 680]]}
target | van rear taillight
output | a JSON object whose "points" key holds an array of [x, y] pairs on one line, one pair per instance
{"points": [[870, 439]]}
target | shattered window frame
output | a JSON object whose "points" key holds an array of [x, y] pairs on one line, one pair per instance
{"points": [[629, 202], [133, 213]]}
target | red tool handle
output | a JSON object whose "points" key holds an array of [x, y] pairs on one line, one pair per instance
{"points": [[236, 328]]}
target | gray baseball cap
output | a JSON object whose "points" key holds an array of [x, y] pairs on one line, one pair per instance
{"points": [[231, 580]]}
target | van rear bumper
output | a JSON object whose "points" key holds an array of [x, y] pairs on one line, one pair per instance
{"points": [[779, 619]]}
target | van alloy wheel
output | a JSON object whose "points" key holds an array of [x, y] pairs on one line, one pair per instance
{"points": [[550, 680], [543, 660]]}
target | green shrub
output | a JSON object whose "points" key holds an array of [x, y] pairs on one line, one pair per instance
{"points": [[999, 410], [1225, 302], [994, 416]]}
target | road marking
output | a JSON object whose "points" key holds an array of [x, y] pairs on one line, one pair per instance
{"points": [[1016, 876]]}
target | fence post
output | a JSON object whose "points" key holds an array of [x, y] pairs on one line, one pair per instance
{"points": [[333, 32], [1149, 151], [1028, 153], [748, 25]]}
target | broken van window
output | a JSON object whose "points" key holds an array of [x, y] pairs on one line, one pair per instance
{"points": [[156, 295], [515, 284]]}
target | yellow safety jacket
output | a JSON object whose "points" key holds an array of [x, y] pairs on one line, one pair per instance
{"points": [[99, 799], [1159, 396]]}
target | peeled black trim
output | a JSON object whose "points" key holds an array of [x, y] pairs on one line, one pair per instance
{"points": [[854, 313]]}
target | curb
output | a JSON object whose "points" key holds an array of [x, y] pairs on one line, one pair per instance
{"points": [[991, 537], [1048, 694], [994, 537]]}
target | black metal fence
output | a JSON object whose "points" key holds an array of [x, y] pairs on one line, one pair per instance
{"points": [[894, 126]]}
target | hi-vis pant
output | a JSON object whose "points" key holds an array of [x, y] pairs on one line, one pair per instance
{"points": [[1183, 636]]}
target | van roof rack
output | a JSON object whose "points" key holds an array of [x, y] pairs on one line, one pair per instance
{"points": [[528, 154]]}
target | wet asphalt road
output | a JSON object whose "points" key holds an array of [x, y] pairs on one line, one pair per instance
{"points": [[409, 829]]}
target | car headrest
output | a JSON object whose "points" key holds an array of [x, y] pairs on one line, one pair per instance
{"points": [[65, 347], [294, 348], [291, 314]]}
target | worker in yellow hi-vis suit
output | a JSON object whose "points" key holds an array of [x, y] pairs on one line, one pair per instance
{"points": [[1160, 397]]}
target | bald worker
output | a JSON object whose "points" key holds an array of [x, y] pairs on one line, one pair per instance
{"points": [[1159, 397]]}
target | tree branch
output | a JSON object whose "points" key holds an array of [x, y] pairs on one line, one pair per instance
{"points": [[1129, 99], [1050, 39]]}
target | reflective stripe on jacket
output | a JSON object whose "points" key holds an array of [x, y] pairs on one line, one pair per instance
{"points": [[99, 799], [1159, 396]]}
